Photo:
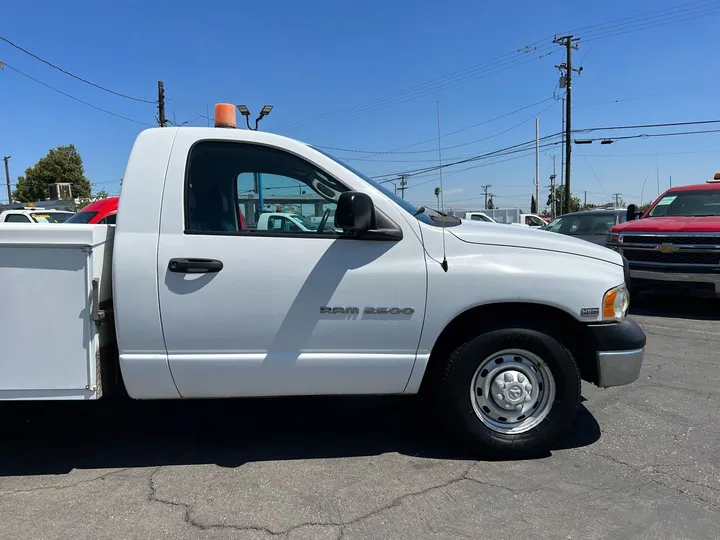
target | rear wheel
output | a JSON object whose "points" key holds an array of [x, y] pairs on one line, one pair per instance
{"points": [[510, 391]]}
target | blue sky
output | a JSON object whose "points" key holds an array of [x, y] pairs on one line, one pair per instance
{"points": [[311, 59]]}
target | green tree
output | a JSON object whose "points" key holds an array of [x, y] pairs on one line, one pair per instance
{"points": [[61, 164], [575, 202], [533, 205]]}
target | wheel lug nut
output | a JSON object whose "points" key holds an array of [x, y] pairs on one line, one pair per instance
{"points": [[508, 406], [499, 397], [527, 398], [500, 384], [521, 378], [528, 388], [518, 407], [508, 377]]}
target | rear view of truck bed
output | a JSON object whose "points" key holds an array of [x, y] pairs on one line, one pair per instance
{"points": [[52, 277]]}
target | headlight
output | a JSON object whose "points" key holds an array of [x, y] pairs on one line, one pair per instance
{"points": [[613, 240], [615, 303]]}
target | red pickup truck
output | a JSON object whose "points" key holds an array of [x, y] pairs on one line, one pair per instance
{"points": [[104, 211], [675, 243]]}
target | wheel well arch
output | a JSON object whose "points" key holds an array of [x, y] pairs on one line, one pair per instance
{"points": [[572, 333]]}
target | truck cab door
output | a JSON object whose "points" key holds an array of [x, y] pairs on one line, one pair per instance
{"points": [[281, 311]]}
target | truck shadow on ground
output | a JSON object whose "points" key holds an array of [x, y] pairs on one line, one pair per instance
{"points": [[675, 306], [57, 438]]}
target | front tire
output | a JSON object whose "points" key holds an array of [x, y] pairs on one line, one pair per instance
{"points": [[510, 392]]}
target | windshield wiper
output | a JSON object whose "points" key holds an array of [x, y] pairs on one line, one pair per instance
{"points": [[419, 211]]}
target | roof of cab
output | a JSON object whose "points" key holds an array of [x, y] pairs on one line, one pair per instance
{"points": [[107, 204], [695, 187]]}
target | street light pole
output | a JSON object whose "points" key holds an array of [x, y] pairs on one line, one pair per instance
{"points": [[537, 165], [552, 189], [7, 178]]}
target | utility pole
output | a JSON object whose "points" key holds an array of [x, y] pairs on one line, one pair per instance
{"points": [[403, 185], [562, 154], [617, 199], [485, 190], [585, 201], [567, 42], [7, 178], [552, 189], [537, 165], [162, 121], [670, 181]]}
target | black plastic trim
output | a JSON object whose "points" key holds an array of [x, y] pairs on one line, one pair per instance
{"points": [[389, 235], [623, 336]]}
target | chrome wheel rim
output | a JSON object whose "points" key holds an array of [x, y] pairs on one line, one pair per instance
{"points": [[512, 391]]}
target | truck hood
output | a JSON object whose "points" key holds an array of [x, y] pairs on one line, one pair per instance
{"points": [[499, 234], [671, 224]]}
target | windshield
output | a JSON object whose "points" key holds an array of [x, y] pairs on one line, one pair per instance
{"points": [[479, 217], [304, 222], [82, 217], [410, 208], [534, 221], [51, 217], [705, 202], [583, 224]]}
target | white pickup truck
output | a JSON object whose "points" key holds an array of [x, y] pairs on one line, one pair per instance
{"points": [[496, 324], [283, 221]]}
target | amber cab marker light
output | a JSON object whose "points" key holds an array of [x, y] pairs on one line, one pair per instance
{"points": [[225, 115], [609, 305]]}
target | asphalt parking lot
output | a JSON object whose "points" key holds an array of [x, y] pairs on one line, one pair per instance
{"points": [[643, 462]]}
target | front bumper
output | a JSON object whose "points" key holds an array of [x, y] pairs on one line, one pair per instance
{"points": [[678, 277], [620, 349]]}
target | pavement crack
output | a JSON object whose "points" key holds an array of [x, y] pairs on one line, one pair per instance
{"points": [[67, 486], [658, 477], [397, 501]]}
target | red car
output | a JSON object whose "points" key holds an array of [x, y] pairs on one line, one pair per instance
{"points": [[675, 243], [103, 211]]}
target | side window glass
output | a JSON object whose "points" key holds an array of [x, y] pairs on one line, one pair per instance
{"points": [[109, 220], [16, 218], [268, 190], [535, 221]]}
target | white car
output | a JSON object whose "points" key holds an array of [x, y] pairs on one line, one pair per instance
{"points": [[279, 221], [34, 214]]}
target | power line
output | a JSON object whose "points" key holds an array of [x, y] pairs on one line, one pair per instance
{"points": [[651, 135], [502, 151], [645, 96], [480, 70], [5, 64], [397, 152], [592, 170], [660, 19], [601, 31], [641, 126], [489, 163], [72, 74], [528, 150]]}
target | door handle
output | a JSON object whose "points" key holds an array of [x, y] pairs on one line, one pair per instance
{"points": [[195, 266]]}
